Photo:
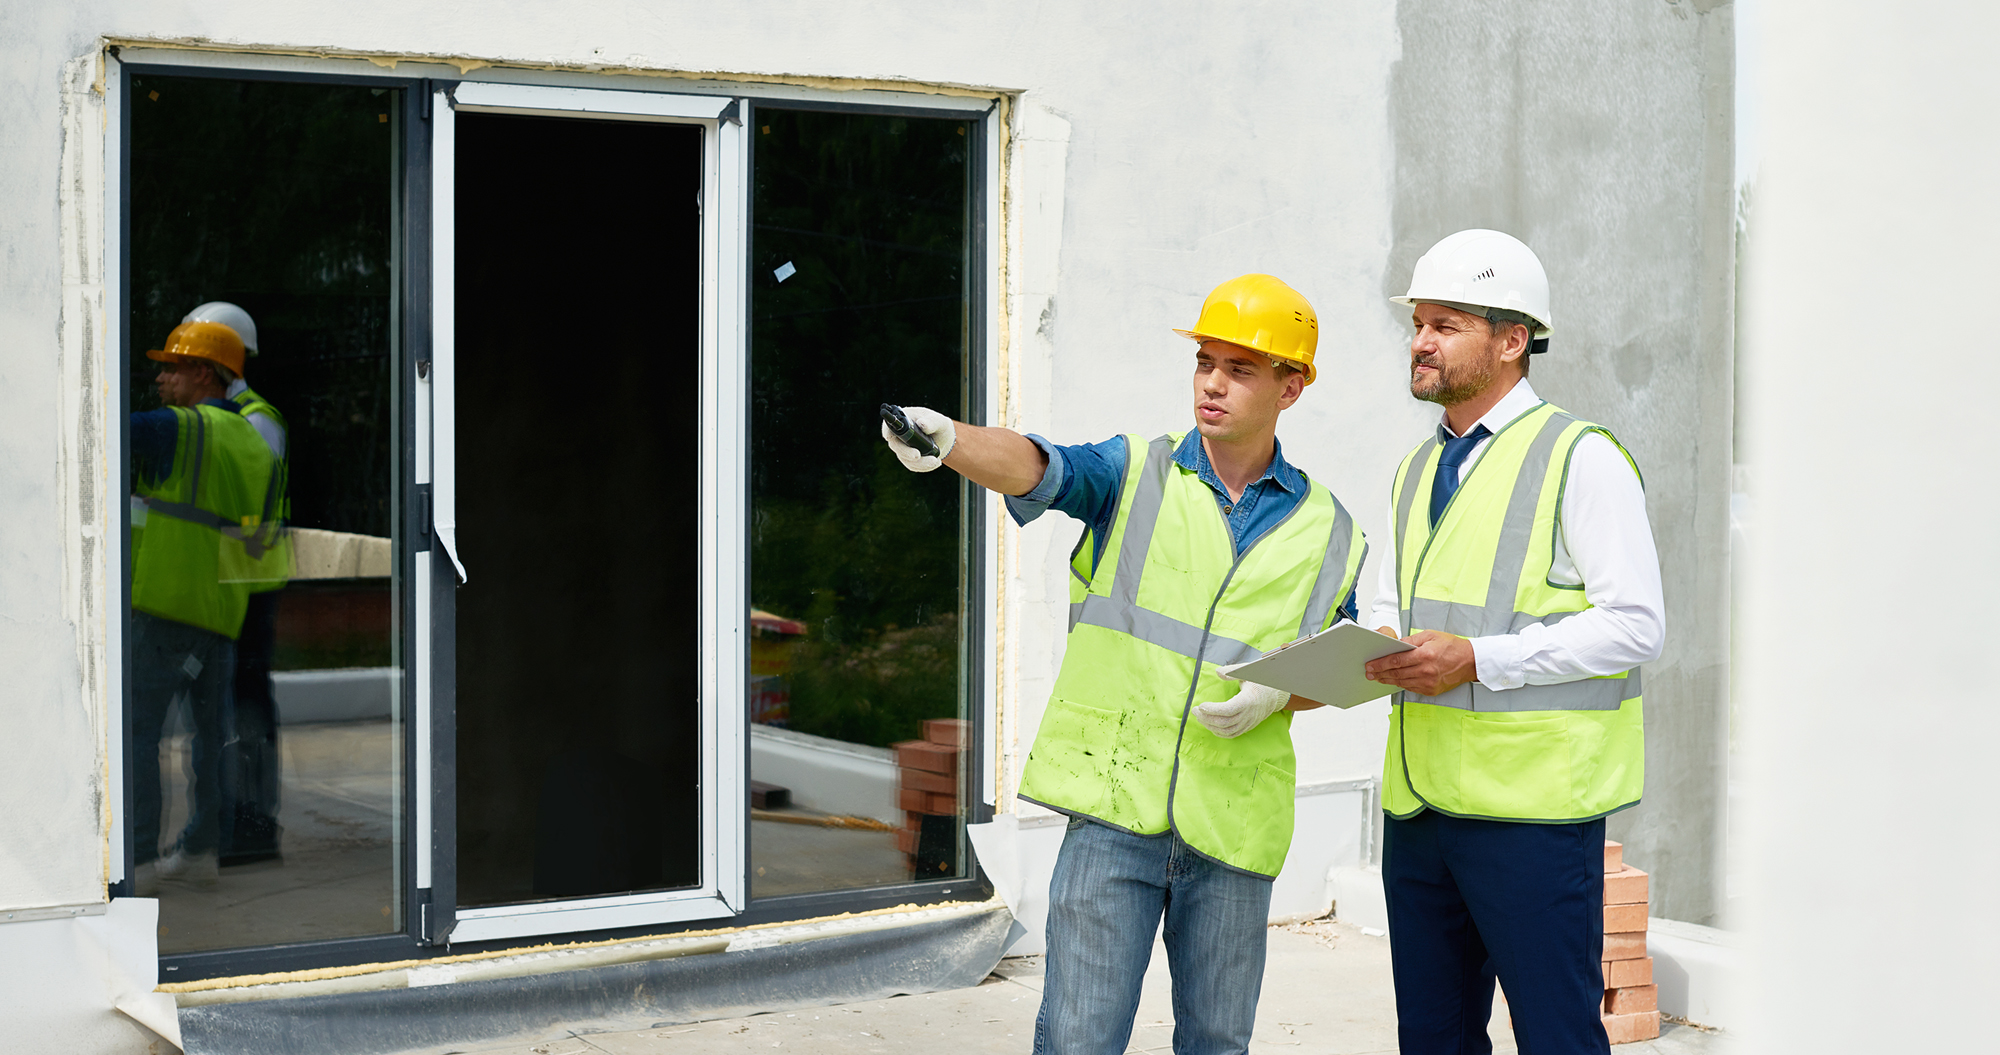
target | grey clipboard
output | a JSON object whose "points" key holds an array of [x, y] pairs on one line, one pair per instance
{"points": [[1324, 667]]}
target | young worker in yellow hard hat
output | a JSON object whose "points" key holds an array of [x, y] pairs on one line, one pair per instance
{"points": [[201, 483], [1199, 549], [1521, 564], [249, 764]]}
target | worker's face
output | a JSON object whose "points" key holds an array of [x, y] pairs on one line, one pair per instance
{"points": [[1454, 356], [1238, 393], [185, 382]]}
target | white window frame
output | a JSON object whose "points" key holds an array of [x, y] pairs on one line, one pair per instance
{"points": [[724, 604]]}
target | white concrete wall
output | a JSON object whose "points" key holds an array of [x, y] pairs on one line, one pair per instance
{"points": [[1874, 568]]}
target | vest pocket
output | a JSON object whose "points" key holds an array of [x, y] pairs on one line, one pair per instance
{"points": [[1237, 810], [1514, 769], [1072, 757]]}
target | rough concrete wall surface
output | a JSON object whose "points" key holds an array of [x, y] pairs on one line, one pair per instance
{"points": [[1876, 206], [52, 563], [1600, 134]]}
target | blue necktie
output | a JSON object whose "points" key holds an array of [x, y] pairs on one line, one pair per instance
{"points": [[1455, 450]]}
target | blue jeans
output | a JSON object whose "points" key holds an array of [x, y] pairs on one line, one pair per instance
{"points": [[170, 658], [1470, 900], [1106, 899]]}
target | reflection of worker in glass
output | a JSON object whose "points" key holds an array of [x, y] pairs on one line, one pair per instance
{"points": [[249, 763], [202, 481]]}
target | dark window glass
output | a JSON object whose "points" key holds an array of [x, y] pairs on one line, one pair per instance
{"points": [[579, 430], [859, 263], [264, 676]]}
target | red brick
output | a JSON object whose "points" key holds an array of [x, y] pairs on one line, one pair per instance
{"points": [[1627, 886], [936, 803], [918, 780], [1620, 973], [1614, 856], [913, 819], [914, 801], [1625, 946], [1624, 1029], [1632, 1000], [1623, 919], [927, 756], [906, 840], [951, 732]]}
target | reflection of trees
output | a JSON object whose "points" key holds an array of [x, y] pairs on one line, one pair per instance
{"points": [[879, 689], [871, 211], [278, 197]]}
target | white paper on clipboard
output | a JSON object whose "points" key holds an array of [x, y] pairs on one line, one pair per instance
{"points": [[1324, 667]]}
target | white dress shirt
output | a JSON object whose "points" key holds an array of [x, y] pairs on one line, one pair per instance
{"points": [[1603, 542]]}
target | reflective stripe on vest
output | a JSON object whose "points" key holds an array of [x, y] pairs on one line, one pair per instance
{"points": [[1554, 753], [197, 534], [1121, 611], [1170, 600]]}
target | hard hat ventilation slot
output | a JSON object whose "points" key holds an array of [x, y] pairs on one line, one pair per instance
{"points": [[1483, 275]]}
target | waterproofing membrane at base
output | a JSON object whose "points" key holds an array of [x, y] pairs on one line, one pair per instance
{"points": [[934, 955]]}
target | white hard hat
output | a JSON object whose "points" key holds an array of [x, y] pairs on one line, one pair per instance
{"points": [[1483, 269], [229, 315]]}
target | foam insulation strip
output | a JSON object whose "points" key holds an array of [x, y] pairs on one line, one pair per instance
{"points": [[466, 65], [750, 974], [393, 973]]}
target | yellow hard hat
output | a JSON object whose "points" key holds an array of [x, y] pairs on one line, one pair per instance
{"points": [[202, 340], [1261, 313]]}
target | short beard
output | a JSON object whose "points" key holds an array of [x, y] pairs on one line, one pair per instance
{"points": [[1451, 385]]}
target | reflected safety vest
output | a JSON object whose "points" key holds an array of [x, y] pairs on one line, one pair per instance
{"points": [[1170, 601], [195, 533], [1553, 753], [274, 568]]}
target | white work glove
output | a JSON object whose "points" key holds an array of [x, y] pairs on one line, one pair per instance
{"points": [[931, 423], [1244, 711]]}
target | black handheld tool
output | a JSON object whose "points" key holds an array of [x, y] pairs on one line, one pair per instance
{"points": [[899, 424]]}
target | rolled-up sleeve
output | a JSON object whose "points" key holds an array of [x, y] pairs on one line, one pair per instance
{"points": [[1082, 481]]}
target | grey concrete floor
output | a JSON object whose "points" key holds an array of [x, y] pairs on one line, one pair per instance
{"points": [[336, 878], [1326, 990]]}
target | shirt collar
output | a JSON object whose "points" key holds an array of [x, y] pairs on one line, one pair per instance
{"points": [[1193, 457], [222, 404], [1516, 402]]}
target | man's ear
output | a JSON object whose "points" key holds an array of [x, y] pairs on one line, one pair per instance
{"points": [[1519, 338], [1295, 386]]}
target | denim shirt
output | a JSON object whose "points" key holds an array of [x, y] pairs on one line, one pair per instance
{"points": [[1084, 480]]}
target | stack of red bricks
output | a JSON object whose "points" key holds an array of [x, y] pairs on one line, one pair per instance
{"points": [[927, 777], [1631, 1000]]}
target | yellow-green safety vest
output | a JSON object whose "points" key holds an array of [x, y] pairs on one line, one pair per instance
{"points": [[1170, 601], [197, 533], [275, 567], [1550, 753]]}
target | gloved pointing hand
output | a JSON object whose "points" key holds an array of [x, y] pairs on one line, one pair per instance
{"points": [[932, 424], [1244, 711]]}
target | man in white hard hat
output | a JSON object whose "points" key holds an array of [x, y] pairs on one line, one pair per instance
{"points": [[1198, 550], [1522, 566], [249, 763]]}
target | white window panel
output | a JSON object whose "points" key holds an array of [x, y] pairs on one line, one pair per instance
{"points": [[724, 605]]}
